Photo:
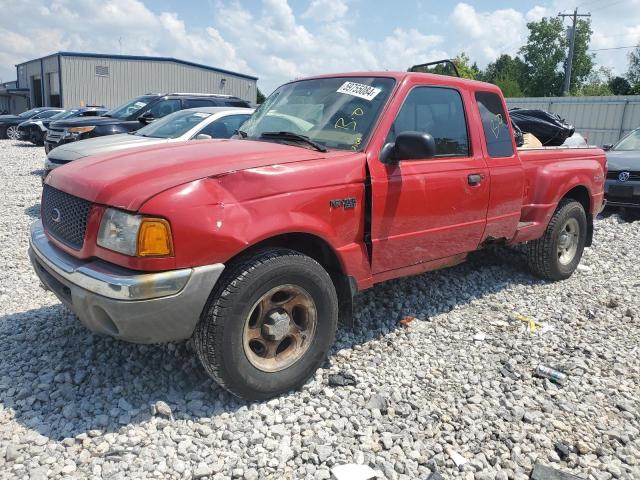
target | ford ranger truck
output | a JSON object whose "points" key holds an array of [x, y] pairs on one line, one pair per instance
{"points": [[254, 247]]}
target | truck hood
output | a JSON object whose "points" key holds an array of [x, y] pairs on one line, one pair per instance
{"points": [[127, 179], [86, 122], [100, 145], [623, 160]]}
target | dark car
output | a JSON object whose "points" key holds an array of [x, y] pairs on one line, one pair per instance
{"points": [[133, 115], [24, 128], [9, 123], [35, 129], [622, 188]]}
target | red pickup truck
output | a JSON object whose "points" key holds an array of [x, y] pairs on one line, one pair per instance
{"points": [[254, 247]]}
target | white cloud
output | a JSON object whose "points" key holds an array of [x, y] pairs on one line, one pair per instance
{"points": [[326, 10], [487, 35], [292, 50], [98, 25], [273, 43]]}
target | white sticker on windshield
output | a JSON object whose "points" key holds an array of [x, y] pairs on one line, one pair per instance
{"points": [[201, 114], [359, 90], [139, 104]]}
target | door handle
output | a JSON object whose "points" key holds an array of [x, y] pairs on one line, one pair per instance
{"points": [[475, 179]]}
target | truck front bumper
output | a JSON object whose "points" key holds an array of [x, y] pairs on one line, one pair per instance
{"points": [[125, 304]]}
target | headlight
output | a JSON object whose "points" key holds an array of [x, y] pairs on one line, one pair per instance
{"points": [[135, 235], [80, 129]]}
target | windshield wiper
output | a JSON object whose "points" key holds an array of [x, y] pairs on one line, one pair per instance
{"points": [[241, 133], [295, 137]]}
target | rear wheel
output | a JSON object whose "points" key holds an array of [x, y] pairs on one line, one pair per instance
{"points": [[268, 325], [556, 255], [13, 133]]}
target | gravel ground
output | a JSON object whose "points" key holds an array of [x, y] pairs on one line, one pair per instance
{"points": [[458, 379]]}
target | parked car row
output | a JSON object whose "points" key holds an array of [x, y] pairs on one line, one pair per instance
{"points": [[36, 128], [190, 124]]}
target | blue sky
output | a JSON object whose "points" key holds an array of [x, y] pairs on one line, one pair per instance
{"points": [[278, 40]]}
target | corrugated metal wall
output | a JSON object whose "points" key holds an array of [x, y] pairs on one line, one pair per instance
{"points": [[600, 119], [129, 78]]}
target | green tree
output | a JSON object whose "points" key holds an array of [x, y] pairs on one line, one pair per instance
{"points": [[633, 74], [597, 83], [620, 86], [260, 97], [545, 54], [582, 59], [508, 73]]}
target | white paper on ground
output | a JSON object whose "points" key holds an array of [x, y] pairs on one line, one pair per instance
{"points": [[351, 471]]}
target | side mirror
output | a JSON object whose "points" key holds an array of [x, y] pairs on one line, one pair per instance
{"points": [[607, 146], [409, 146], [146, 117], [203, 136]]}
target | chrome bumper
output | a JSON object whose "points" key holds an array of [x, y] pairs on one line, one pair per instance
{"points": [[133, 306]]}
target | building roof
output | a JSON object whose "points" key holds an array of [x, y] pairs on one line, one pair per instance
{"points": [[143, 58]]}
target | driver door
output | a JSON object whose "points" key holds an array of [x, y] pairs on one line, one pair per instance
{"points": [[429, 209]]}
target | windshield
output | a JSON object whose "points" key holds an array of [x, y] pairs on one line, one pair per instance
{"points": [[45, 114], [333, 112], [173, 125], [128, 109], [28, 113], [63, 114], [630, 142]]}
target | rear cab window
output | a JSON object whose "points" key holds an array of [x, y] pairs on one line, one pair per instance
{"points": [[438, 111], [494, 124]]}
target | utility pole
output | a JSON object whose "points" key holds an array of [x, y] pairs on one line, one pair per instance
{"points": [[572, 42]]}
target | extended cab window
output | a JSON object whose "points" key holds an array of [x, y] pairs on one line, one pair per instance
{"points": [[439, 112], [494, 124]]}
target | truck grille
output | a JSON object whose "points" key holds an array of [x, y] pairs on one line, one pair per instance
{"points": [[614, 175], [65, 216]]}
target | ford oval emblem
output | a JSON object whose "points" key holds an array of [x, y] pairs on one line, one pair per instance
{"points": [[624, 176], [56, 216]]}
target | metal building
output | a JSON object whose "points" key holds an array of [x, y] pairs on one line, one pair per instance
{"points": [[600, 119], [68, 79], [13, 99]]}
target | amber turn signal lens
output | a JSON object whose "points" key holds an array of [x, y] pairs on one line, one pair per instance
{"points": [[154, 238]]}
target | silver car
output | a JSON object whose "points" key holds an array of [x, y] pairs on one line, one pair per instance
{"points": [[622, 188], [191, 124]]}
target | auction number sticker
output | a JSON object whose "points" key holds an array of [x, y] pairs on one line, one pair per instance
{"points": [[359, 90]]}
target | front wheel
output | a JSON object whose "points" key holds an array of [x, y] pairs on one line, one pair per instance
{"points": [[556, 255], [268, 325], [13, 133], [37, 138]]}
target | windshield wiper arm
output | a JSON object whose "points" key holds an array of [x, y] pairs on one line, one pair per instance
{"points": [[295, 137]]}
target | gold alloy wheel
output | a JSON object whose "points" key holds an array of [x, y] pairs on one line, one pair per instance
{"points": [[280, 328]]}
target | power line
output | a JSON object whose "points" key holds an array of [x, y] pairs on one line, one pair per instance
{"points": [[601, 7], [613, 48]]}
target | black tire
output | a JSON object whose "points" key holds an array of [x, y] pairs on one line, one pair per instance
{"points": [[543, 254], [219, 338], [37, 138]]}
